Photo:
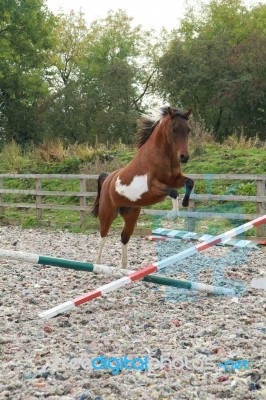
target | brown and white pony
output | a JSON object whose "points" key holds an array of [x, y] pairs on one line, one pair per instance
{"points": [[153, 174]]}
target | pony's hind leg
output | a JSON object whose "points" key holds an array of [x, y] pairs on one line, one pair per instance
{"points": [[130, 216], [106, 217], [100, 251]]}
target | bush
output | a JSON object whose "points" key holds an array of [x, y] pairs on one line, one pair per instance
{"points": [[68, 166], [12, 158]]}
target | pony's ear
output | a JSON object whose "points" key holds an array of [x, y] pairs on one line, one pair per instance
{"points": [[187, 114], [171, 112]]}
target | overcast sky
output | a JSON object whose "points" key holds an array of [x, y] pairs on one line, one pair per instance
{"points": [[148, 13]]}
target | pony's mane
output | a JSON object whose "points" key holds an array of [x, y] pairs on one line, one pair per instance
{"points": [[147, 123]]}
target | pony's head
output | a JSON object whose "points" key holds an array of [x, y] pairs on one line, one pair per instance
{"points": [[171, 125], [178, 133]]}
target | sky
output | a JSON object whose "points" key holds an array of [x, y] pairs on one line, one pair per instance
{"points": [[148, 13], [151, 14]]}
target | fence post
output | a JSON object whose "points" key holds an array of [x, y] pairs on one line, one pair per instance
{"points": [[261, 206], [83, 201], [191, 221], [38, 199], [1, 199]]}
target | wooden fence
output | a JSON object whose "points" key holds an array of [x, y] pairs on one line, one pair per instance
{"points": [[83, 195]]}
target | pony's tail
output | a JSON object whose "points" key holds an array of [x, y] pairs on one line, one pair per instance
{"points": [[95, 208]]}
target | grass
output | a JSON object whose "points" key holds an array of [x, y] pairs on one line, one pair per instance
{"points": [[236, 155]]}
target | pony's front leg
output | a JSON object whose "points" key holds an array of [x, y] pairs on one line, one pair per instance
{"points": [[160, 189], [172, 192], [174, 213], [175, 205], [189, 184]]}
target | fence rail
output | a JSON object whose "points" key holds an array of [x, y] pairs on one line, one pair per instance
{"points": [[83, 195]]}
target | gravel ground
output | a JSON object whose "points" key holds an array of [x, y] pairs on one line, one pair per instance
{"points": [[196, 332]]}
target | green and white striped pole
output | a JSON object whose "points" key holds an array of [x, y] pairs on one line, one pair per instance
{"points": [[104, 269], [149, 269]]}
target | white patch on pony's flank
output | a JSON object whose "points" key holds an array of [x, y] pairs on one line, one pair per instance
{"points": [[135, 189]]}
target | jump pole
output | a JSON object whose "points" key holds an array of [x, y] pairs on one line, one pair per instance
{"points": [[104, 269], [165, 238], [134, 276]]}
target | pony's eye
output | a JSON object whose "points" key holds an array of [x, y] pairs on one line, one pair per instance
{"points": [[174, 129]]}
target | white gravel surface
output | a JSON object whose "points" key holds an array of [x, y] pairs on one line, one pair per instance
{"points": [[142, 319]]}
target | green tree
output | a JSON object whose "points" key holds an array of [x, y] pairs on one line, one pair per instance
{"points": [[215, 65], [70, 36], [63, 112], [25, 28], [101, 77], [112, 83]]}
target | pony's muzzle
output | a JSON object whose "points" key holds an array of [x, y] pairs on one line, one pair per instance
{"points": [[183, 158]]}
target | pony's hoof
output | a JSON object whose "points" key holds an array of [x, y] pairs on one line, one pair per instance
{"points": [[173, 193], [172, 215], [185, 201]]}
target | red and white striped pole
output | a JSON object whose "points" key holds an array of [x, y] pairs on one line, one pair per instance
{"points": [[134, 276]]}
